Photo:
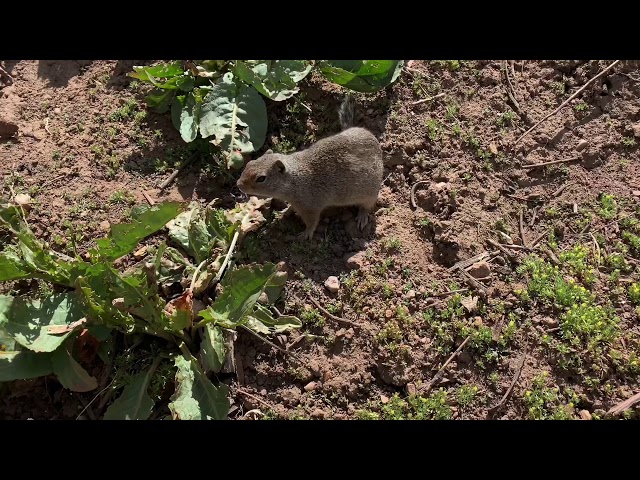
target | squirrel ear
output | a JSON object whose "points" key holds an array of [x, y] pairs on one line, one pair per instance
{"points": [[268, 152], [280, 166]]}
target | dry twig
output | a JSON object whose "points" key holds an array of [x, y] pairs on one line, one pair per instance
{"points": [[521, 225], [423, 100], [176, 172], [413, 191], [493, 410], [563, 104], [555, 162], [622, 406], [330, 315], [440, 372]]}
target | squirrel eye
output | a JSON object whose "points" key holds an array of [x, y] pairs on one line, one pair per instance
{"points": [[261, 179]]}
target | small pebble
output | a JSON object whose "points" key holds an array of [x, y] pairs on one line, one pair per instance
{"points": [[332, 284]]}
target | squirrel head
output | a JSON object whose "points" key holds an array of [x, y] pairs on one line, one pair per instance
{"points": [[264, 176]]}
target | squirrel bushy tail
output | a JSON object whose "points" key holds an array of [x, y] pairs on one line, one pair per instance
{"points": [[346, 112]]}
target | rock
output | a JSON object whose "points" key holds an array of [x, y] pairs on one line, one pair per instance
{"points": [[8, 129], [354, 260], [410, 294], [384, 399], [550, 322], [57, 110], [470, 303], [411, 389], [480, 270], [584, 414], [263, 392], [23, 200], [139, 254], [105, 226], [318, 413], [332, 284], [636, 130], [635, 193], [310, 387], [388, 313], [477, 321], [582, 144]]}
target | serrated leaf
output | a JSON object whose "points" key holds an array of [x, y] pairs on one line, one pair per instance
{"points": [[196, 398], [159, 100], [276, 325], [146, 220], [11, 267], [219, 226], [166, 70], [212, 349], [29, 320], [242, 288], [275, 79], [69, 372], [134, 403], [362, 75], [22, 365], [236, 115]]}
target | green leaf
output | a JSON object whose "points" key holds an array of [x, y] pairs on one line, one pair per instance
{"points": [[69, 372], [124, 237], [212, 349], [166, 70], [23, 365], [196, 398], [159, 100], [11, 267], [275, 286], [276, 325], [242, 287], [134, 403], [362, 75], [219, 226], [196, 231], [275, 79], [235, 115], [28, 320], [185, 115]]}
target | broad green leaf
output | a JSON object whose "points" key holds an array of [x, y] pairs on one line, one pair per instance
{"points": [[212, 349], [256, 325], [242, 287], [29, 320], [362, 75], [23, 365], [236, 115], [166, 70], [196, 398], [97, 299], [134, 403], [247, 216], [185, 115], [275, 79], [190, 231], [146, 220], [159, 100], [69, 372], [7, 343], [219, 226], [275, 286], [173, 267], [276, 325], [11, 267]]}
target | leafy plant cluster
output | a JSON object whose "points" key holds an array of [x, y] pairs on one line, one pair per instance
{"points": [[191, 295], [223, 99]]}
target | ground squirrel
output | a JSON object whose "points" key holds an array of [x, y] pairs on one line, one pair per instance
{"points": [[344, 169]]}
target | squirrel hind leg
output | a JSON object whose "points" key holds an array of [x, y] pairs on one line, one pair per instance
{"points": [[364, 209]]}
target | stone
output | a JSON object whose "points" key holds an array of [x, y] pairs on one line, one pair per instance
{"points": [[354, 260], [332, 284], [582, 144], [480, 270], [584, 414], [310, 387]]}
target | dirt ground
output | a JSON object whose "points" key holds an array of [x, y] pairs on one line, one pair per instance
{"points": [[87, 149]]}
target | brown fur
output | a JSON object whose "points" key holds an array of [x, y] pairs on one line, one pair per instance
{"points": [[341, 170]]}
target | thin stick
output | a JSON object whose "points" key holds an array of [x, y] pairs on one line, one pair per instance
{"points": [[418, 102], [330, 315], [622, 406], [516, 377], [148, 198], [173, 176], [544, 164], [94, 398], [563, 104], [413, 191], [517, 247], [473, 283], [597, 248], [450, 292], [533, 220], [440, 372], [270, 343], [522, 239], [4, 73], [469, 261], [509, 255], [510, 90], [537, 240], [257, 399], [227, 258], [560, 189]]}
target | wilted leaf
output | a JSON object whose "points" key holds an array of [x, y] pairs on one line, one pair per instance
{"points": [[275, 79], [362, 75], [276, 325], [196, 398], [69, 372], [235, 114], [212, 349], [180, 311], [134, 403], [124, 237], [248, 215], [22, 365], [242, 287], [40, 326]]}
